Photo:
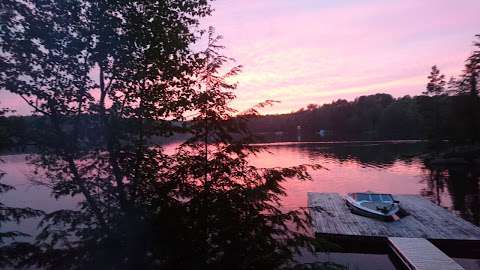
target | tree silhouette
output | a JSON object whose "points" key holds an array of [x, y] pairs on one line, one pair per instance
{"points": [[9, 249], [465, 115], [432, 107], [436, 84], [109, 78], [471, 88]]}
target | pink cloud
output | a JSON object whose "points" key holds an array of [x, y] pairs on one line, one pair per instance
{"points": [[303, 52], [311, 51]]}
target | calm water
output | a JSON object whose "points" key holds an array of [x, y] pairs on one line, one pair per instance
{"points": [[381, 167]]}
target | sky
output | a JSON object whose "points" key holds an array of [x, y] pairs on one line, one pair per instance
{"points": [[315, 51]]}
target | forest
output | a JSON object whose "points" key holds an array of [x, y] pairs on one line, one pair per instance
{"points": [[445, 111]]}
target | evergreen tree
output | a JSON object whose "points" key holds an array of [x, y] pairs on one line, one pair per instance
{"points": [[432, 108], [127, 70], [453, 85], [471, 88], [436, 84]]}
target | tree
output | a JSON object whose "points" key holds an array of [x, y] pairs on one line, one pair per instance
{"points": [[312, 107], [232, 206], [431, 107], [471, 76], [473, 69], [453, 85], [467, 105], [128, 71], [9, 249], [436, 85]]}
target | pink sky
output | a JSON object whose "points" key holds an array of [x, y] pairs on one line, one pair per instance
{"points": [[316, 51]]}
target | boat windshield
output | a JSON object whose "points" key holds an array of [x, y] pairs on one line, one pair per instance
{"points": [[362, 197], [376, 197], [387, 198]]}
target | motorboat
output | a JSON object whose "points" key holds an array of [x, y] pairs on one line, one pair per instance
{"points": [[375, 205]]}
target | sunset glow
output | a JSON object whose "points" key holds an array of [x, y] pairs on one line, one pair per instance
{"points": [[301, 52], [310, 51], [139, 134]]}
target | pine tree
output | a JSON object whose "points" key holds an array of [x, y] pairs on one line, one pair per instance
{"points": [[432, 106], [436, 85], [109, 79], [470, 87]]}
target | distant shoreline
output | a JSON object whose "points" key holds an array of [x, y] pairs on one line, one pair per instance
{"points": [[339, 142], [278, 143]]}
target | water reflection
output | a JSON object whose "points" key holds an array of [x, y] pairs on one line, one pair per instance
{"points": [[383, 167], [382, 155], [461, 183], [390, 167]]}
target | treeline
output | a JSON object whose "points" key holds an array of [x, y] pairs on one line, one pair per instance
{"points": [[372, 117], [445, 111], [25, 133], [378, 116]]}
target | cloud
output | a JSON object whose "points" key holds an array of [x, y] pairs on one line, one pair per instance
{"points": [[305, 51], [316, 51]]}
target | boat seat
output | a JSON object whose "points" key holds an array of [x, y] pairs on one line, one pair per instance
{"points": [[377, 205]]}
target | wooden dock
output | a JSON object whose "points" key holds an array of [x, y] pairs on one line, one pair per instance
{"points": [[406, 237], [420, 254], [331, 216]]}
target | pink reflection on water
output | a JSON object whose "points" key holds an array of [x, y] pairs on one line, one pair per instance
{"points": [[26, 194], [341, 175], [344, 176]]}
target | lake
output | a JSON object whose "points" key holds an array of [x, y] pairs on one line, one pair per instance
{"points": [[387, 167]]}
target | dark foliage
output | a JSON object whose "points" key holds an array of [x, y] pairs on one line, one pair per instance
{"points": [[378, 116], [461, 183], [9, 249], [106, 78]]}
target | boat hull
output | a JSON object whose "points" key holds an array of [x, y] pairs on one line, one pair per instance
{"points": [[365, 213], [358, 209]]}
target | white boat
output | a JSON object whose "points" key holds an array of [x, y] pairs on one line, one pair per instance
{"points": [[376, 205]]}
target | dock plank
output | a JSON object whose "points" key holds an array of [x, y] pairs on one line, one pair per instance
{"points": [[420, 254], [331, 215]]}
